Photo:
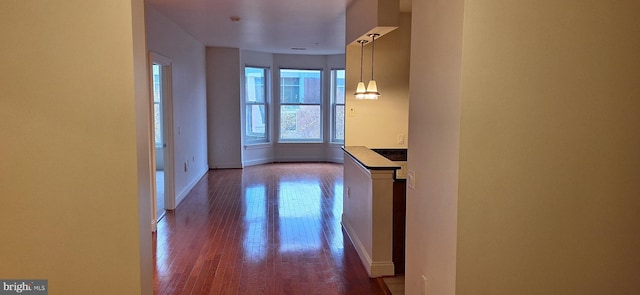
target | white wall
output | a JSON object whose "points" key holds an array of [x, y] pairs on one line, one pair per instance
{"points": [[74, 175], [189, 97], [224, 114]]}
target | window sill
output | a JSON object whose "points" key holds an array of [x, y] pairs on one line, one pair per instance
{"points": [[255, 146], [300, 142]]}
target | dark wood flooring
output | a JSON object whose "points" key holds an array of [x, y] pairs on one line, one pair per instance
{"points": [[267, 229]]}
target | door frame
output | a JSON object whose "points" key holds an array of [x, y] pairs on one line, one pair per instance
{"points": [[168, 138]]}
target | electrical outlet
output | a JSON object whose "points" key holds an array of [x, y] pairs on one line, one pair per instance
{"points": [[401, 138], [352, 111], [411, 179], [348, 192]]}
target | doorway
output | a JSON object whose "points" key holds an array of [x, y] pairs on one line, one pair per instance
{"points": [[162, 130]]}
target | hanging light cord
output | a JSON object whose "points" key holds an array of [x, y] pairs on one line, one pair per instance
{"points": [[362, 43], [373, 49]]}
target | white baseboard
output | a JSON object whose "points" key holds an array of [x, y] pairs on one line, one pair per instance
{"points": [[185, 192], [290, 159], [255, 162], [382, 269], [337, 160], [227, 165], [374, 268]]}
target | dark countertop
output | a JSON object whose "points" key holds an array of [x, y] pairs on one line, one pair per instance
{"points": [[370, 159]]}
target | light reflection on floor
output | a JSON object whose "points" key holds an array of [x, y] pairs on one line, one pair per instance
{"points": [[299, 216], [302, 225], [255, 217], [271, 229]]}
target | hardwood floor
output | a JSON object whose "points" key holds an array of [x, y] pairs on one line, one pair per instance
{"points": [[268, 229]]}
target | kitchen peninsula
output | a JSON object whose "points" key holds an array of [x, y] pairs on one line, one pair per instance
{"points": [[368, 209]]}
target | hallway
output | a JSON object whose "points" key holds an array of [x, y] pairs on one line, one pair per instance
{"points": [[268, 229]]}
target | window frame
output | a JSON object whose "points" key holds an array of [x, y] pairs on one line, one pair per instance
{"points": [[333, 88], [320, 104], [156, 78], [249, 138]]}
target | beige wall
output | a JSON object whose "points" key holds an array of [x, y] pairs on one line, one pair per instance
{"points": [[378, 123], [367, 16], [434, 132], [145, 143], [545, 194], [549, 164], [72, 211]]}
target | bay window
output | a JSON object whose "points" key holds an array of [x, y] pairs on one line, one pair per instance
{"points": [[300, 105], [256, 105]]}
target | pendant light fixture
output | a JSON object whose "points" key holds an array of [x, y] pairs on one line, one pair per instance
{"points": [[372, 87], [360, 90]]}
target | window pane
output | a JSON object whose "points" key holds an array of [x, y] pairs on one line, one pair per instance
{"points": [[339, 82], [339, 121], [157, 100], [300, 86], [156, 82], [256, 110], [256, 122], [290, 90], [157, 121], [300, 122], [255, 84], [337, 101]]}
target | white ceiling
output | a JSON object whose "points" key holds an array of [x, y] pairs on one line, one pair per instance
{"points": [[274, 26]]}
